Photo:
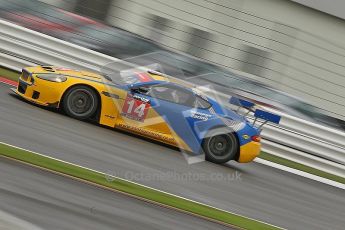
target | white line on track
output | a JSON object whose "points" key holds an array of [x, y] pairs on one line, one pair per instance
{"points": [[300, 173], [13, 146]]}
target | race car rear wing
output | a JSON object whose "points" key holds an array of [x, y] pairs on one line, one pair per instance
{"points": [[258, 113], [242, 104], [266, 116]]}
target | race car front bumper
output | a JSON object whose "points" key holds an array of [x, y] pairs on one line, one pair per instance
{"points": [[39, 92]]}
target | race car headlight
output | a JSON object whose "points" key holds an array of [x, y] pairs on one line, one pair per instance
{"points": [[52, 77]]}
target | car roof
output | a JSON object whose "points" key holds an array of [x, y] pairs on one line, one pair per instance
{"points": [[151, 77]]}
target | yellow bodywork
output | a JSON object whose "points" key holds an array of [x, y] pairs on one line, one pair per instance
{"points": [[51, 94], [154, 126], [249, 151]]}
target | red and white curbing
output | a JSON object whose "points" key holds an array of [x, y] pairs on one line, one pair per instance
{"points": [[8, 82]]}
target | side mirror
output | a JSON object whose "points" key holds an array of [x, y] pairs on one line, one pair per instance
{"points": [[132, 89], [140, 90]]}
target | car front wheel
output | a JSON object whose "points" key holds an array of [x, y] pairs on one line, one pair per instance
{"points": [[80, 102]]}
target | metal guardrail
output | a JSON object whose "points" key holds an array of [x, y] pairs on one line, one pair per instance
{"points": [[295, 139]]}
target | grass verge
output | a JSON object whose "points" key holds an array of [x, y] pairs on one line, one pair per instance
{"points": [[132, 188], [10, 74], [301, 167]]}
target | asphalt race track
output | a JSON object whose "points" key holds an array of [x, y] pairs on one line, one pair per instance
{"points": [[49, 201], [256, 191]]}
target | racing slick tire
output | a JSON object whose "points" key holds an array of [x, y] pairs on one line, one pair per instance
{"points": [[80, 102], [220, 147]]}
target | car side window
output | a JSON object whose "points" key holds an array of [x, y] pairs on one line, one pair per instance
{"points": [[178, 96], [164, 93], [202, 103]]}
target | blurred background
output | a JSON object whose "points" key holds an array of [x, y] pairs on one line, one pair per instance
{"points": [[288, 55]]}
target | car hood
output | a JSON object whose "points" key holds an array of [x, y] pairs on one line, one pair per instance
{"points": [[63, 71]]}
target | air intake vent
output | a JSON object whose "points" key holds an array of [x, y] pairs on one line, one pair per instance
{"points": [[35, 95], [22, 87], [48, 68]]}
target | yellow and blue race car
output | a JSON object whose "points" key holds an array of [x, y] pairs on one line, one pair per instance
{"points": [[149, 104]]}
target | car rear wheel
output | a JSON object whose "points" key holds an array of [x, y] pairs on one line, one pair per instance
{"points": [[220, 147], [80, 102]]}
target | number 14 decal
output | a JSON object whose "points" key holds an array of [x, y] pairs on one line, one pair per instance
{"points": [[135, 109]]}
